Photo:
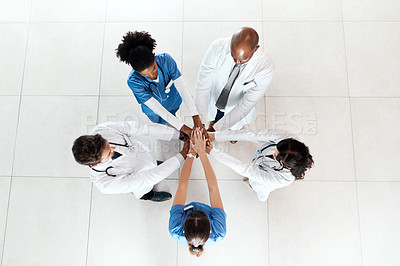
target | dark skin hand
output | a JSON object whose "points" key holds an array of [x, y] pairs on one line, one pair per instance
{"points": [[197, 123], [186, 147], [211, 127], [187, 130]]}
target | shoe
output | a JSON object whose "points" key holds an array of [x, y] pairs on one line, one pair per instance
{"points": [[160, 196], [159, 162]]}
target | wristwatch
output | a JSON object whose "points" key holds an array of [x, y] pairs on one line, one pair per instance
{"points": [[191, 155]]}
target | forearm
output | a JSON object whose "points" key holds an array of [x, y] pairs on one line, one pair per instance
{"points": [[187, 98], [265, 135], [181, 192], [157, 108], [214, 194]]}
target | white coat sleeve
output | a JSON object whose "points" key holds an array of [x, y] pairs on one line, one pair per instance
{"points": [[187, 98], [248, 101], [204, 81], [139, 128], [134, 182], [157, 108], [269, 178], [265, 135]]}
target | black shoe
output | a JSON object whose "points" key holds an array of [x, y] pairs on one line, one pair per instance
{"points": [[159, 162], [160, 196]]}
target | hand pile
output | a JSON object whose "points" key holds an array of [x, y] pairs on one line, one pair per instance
{"points": [[199, 143]]}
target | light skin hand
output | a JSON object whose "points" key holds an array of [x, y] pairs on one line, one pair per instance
{"points": [[198, 141], [209, 147]]}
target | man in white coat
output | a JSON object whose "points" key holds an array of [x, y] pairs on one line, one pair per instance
{"points": [[118, 163], [233, 77]]}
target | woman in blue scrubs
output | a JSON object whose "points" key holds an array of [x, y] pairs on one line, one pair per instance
{"points": [[156, 81], [197, 224]]}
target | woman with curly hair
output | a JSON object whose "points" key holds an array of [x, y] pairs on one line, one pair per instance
{"points": [[156, 81], [279, 161], [197, 224]]}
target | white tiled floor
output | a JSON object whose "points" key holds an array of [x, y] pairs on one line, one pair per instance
{"points": [[337, 84]]}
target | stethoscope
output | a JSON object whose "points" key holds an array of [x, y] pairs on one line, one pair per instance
{"points": [[128, 144], [260, 151], [152, 83]]}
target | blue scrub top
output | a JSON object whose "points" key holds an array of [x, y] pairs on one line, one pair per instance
{"points": [[216, 216], [142, 90]]}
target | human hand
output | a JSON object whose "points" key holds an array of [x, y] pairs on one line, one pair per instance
{"points": [[187, 130], [211, 127], [211, 136], [209, 147], [197, 123], [186, 147], [198, 141]]}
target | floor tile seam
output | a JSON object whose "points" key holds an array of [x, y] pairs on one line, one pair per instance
{"points": [[352, 142], [89, 224], [101, 72], [16, 137], [196, 21], [47, 177], [97, 121], [268, 96], [203, 179]]}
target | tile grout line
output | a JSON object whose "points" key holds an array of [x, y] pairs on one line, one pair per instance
{"points": [[352, 137], [195, 21], [97, 121], [16, 135], [268, 262], [270, 96]]}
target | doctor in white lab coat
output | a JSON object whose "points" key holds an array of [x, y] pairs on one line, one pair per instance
{"points": [[118, 163], [255, 74], [279, 161]]}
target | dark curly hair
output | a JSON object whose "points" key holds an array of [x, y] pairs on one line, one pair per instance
{"points": [[295, 156], [136, 50], [197, 231], [87, 149]]}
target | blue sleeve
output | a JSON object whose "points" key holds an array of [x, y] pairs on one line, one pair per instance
{"points": [[139, 90], [170, 64], [175, 220], [218, 222]]}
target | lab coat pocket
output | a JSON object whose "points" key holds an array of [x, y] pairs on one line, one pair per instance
{"points": [[248, 85]]}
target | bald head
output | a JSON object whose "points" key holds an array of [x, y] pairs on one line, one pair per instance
{"points": [[244, 43]]}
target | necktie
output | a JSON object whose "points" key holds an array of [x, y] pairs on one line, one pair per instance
{"points": [[223, 97], [116, 155]]}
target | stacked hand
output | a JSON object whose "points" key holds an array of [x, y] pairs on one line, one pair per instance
{"points": [[187, 131], [199, 143]]}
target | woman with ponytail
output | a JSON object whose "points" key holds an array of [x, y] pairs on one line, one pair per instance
{"points": [[156, 81], [197, 224], [275, 164]]}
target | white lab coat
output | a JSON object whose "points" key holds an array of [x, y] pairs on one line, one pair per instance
{"points": [[136, 170], [247, 90], [263, 181]]}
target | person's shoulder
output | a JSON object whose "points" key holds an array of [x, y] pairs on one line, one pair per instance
{"points": [[199, 205], [133, 77], [262, 59], [164, 57], [221, 43]]}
